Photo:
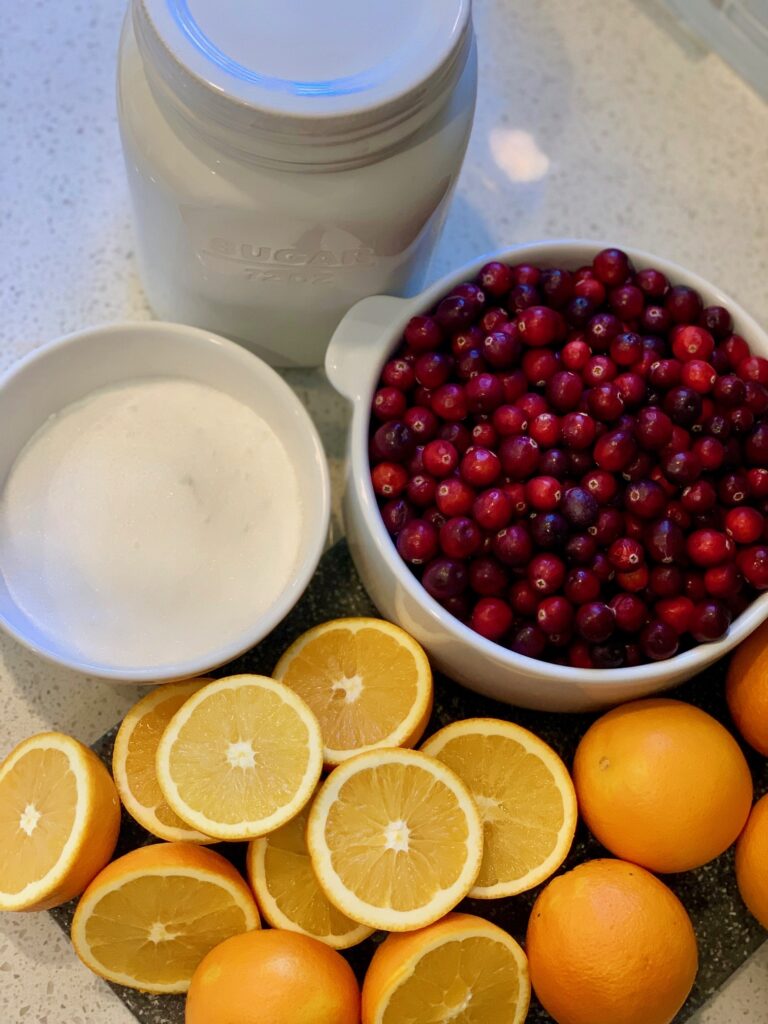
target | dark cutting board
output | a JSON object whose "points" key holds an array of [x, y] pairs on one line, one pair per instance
{"points": [[726, 932]]}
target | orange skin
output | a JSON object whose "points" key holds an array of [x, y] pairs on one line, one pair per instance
{"points": [[608, 943], [746, 689], [273, 977], [662, 784], [752, 862]]}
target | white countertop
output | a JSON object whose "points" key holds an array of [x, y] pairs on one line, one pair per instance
{"points": [[594, 119]]}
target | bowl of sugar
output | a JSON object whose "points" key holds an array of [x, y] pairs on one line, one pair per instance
{"points": [[164, 501]]}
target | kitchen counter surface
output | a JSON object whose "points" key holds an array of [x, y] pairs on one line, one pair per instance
{"points": [[594, 120]]}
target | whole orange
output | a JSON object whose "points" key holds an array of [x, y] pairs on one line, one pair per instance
{"points": [[273, 977], [608, 943], [663, 784], [752, 862], [746, 689]]}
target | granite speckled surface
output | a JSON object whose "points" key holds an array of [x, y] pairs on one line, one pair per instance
{"points": [[593, 119]]}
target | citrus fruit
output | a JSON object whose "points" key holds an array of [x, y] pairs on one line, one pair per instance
{"points": [[149, 918], [273, 977], [752, 862], [287, 891], [747, 689], [608, 943], [240, 757], [395, 839], [59, 820], [461, 968], [525, 797], [663, 784], [368, 682], [133, 762]]}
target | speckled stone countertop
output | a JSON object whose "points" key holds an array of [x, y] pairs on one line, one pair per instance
{"points": [[594, 119]]}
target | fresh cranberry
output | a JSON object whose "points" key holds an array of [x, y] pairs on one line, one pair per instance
{"points": [[389, 479], [480, 467], [493, 319], [513, 545], [463, 341], [434, 515], [631, 388], [417, 542], [546, 573], [554, 615], [744, 524], [699, 497], [421, 490], [396, 513], [543, 493], [555, 463], [488, 577], [601, 330], [735, 349], [581, 549], [691, 342], [579, 655], [509, 420], [599, 370], [717, 320], [698, 375], [626, 301], [683, 304], [423, 333], [659, 641], [608, 655], [473, 294], [608, 526], [653, 428], [752, 563], [723, 581], [519, 457], [529, 641], [493, 509], [549, 530], [652, 283], [733, 489], [665, 373], [495, 278], [602, 485], [484, 435], [579, 507], [709, 621], [629, 612], [626, 348], [757, 481], [581, 585], [754, 368], [602, 568], [665, 542], [655, 319], [523, 598], [590, 288], [516, 494], [665, 580], [626, 554], [422, 422], [709, 547], [460, 537], [454, 497], [605, 402], [710, 452], [756, 446], [398, 373], [615, 450], [681, 468], [525, 273], [595, 621], [612, 266], [500, 349], [564, 390], [545, 429], [577, 430], [454, 313], [432, 369], [491, 618], [445, 578], [539, 326], [449, 402], [579, 311], [683, 405], [539, 364], [556, 286], [677, 612], [575, 354], [469, 364], [532, 404], [440, 458], [393, 441], [756, 397], [645, 499], [523, 296]]}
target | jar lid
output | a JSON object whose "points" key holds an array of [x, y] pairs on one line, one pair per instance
{"points": [[306, 64]]}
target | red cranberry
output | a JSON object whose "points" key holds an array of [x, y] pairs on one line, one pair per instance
{"points": [[556, 286], [454, 497], [460, 537], [608, 655], [440, 458], [445, 578], [523, 598], [626, 554], [653, 428], [579, 655], [493, 319], [665, 542], [578, 463], [396, 513], [581, 585], [709, 621], [539, 364], [733, 489], [480, 467], [608, 526], [509, 420], [577, 430], [681, 468], [532, 404], [554, 463], [629, 612], [454, 313], [655, 319], [575, 354], [398, 373], [389, 479], [683, 405], [525, 273], [417, 542], [710, 451], [683, 304], [735, 349], [519, 457], [599, 370], [523, 296], [626, 348], [469, 364], [539, 326], [595, 621], [754, 368], [484, 435], [421, 490], [627, 302], [723, 581], [652, 283], [615, 450], [744, 524], [493, 509], [756, 446], [473, 294], [434, 515], [677, 612], [449, 402], [709, 547], [545, 430], [564, 390], [602, 568], [659, 641], [488, 577], [463, 341], [757, 480], [645, 499], [549, 530], [591, 289], [423, 333], [546, 573], [698, 375], [665, 580], [422, 422], [459, 606], [605, 402], [579, 507], [433, 369], [756, 397], [529, 641], [612, 266], [601, 485], [581, 548], [554, 615], [699, 498], [500, 349], [717, 320], [516, 494], [691, 342], [513, 545], [495, 278], [543, 493], [631, 388], [579, 311], [491, 618], [752, 563], [393, 441]]}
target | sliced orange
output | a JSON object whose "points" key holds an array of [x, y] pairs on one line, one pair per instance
{"points": [[461, 969], [240, 757], [59, 820], [368, 682], [149, 918], [133, 762], [395, 839], [525, 796], [288, 893]]}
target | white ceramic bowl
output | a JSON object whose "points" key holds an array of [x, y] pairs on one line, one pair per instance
{"points": [[70, 368], [362, 343]]}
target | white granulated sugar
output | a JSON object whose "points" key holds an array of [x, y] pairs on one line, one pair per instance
{"points": [[150, 523]]}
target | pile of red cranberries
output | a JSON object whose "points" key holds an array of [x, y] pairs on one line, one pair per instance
{"points": [[575, 463]]}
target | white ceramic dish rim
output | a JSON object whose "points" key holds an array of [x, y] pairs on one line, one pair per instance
{"points": [[560, 252], [315, 525]]}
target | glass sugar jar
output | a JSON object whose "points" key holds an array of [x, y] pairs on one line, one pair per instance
{"points": [[287, 158]]}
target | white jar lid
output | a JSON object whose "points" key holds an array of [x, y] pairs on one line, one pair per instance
{"points": [[301, 62]]}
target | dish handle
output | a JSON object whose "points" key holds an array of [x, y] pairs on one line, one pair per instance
{"points": [[360, 341]]}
